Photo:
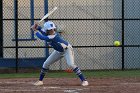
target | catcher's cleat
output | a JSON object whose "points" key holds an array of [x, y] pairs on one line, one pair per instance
{"points": [[84, 83], [38, 83]]}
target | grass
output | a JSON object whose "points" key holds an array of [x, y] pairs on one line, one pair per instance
{"points": [[127, 73], [89, 74]]}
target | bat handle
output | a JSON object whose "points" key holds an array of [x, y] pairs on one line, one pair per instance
{"points": [[33, 27]]}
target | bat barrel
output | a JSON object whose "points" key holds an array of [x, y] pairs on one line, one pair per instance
{"points": [[48, 14]]}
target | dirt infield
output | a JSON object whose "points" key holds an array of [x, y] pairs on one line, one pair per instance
{"points": [[71, 85]]}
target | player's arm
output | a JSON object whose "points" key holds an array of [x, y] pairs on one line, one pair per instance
{"points": [[42, 37], [39, 28]]}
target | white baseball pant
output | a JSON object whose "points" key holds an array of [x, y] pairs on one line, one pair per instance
{"points": [[68, 54]]}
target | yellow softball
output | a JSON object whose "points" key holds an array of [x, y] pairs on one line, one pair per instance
{"points": [[117, 43]]}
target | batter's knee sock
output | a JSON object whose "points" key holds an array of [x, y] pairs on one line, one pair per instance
{"points": [[42, 73], [79, 74]]}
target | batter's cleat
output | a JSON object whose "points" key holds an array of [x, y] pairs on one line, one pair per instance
{"points": [[38, 83], [85, 83]]}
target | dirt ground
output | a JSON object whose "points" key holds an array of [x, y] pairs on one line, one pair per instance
{"points": [[71, 85]]}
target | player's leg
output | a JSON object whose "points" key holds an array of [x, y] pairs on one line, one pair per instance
{"points": [[55, 56], [69, 55]]}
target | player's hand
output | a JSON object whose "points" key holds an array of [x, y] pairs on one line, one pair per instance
{"points": [[35, 26]]}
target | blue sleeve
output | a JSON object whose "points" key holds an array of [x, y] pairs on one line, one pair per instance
{"points": [[42, 37], [39, 29]]}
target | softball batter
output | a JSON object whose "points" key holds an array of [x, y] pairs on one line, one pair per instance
{"points": [[62, 48]]}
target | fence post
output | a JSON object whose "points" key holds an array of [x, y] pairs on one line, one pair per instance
{"points": [[16, 30], [32, 16], [46, 11], [1, 29], [123, 34]]}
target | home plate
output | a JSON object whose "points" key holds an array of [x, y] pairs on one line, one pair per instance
{"points": [[51, 87], [71, 91]]}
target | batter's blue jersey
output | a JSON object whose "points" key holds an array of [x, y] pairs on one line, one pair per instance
{"points": [[56, 41]]}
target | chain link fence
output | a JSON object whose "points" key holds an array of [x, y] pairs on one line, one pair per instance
{"points": [[91, 26]]}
